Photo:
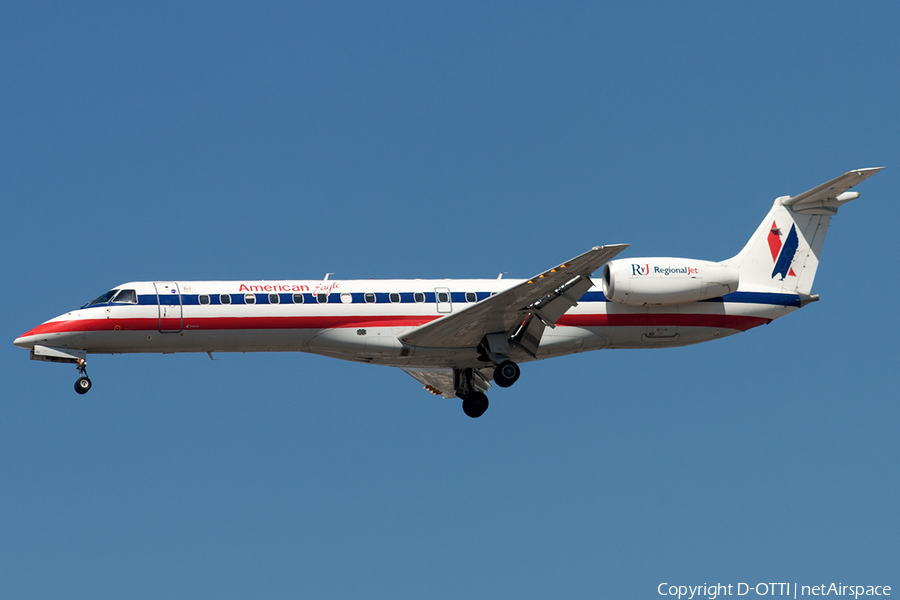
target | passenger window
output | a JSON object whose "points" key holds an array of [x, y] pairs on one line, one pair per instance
{"points": [[443, 297], [274, 299], [346, 298], [322, 298], [419, 297], [249, 298], [471, 297], [204, 299], [370, 298], [225, 298], [395, 297], [126, 297], [298, 298]]}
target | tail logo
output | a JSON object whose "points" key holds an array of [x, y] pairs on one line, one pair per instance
{"points": [[783, 252]]}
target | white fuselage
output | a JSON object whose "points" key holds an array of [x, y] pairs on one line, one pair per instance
{"points": [[363, 320]]}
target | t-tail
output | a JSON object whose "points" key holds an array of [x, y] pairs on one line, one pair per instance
{"points": [[781, 257], [783, 254]]}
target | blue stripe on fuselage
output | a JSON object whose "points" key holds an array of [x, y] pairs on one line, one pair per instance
{"points": [[408, 298], [736, 297]]}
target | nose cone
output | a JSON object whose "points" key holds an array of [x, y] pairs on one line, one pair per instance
{"points": [[26, 340]]}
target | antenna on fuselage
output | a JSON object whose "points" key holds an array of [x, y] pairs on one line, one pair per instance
{"points": [[502, 273], [326, 276]]}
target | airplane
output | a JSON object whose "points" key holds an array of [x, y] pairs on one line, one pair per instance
{"points": [[457, 336]]}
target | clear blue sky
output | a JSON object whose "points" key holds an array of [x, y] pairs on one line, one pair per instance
{"points": [[230, 141]]}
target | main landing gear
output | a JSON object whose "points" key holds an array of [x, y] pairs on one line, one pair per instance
{"points": [[471, 385], [494, 348], [506, 373], [474, 404], [83, 385]]}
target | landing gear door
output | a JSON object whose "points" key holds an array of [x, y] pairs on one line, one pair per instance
{"points": [[168, 297], [442, 300]]}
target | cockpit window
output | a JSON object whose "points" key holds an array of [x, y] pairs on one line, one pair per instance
{"points": [[126, 297], [102, 299]]}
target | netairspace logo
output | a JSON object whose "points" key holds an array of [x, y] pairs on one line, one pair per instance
{"points": [[713, 591]]}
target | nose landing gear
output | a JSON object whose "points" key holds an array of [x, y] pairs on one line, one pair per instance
{"points": [[83, 385]]}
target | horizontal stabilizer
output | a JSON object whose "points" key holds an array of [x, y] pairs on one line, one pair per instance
{"points": [[826, 198]]}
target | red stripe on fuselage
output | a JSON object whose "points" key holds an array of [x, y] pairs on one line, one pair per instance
{"points": [[736, 322], [225, 323], [57, 327]]}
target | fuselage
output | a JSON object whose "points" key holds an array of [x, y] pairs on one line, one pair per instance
{"points": [[364, 320], [459, 337]]}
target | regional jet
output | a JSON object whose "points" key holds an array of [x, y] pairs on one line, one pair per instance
{"points": [[456, 337]]}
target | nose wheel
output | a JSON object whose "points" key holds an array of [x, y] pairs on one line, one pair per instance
{"points": [[83, 385]]}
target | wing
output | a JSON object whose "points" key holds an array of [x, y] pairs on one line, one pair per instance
{"points": [[545, 296], [438, 381], [830, 195], [441, 381]]}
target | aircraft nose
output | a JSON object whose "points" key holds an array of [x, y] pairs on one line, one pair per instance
{"points": [[26, 340]]}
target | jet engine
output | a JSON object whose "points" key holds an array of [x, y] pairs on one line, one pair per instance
{"points": [[654, 281]]}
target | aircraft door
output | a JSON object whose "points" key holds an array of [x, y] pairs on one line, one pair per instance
{"points": [[442, 300], [168, 298]]}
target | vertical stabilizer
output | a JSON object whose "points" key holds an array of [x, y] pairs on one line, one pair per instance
{"points": [[783, 254]]}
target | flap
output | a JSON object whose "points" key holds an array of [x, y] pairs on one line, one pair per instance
{"points": [[438, 381]]}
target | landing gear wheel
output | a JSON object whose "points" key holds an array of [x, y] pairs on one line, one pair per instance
{"points": [[506, 373], [82, 385], [475, 404]]}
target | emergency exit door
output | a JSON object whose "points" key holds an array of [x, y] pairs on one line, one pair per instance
{"points": [[442, 299]]}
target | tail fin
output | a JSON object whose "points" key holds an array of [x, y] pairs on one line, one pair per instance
{"points": [[783, 253]]}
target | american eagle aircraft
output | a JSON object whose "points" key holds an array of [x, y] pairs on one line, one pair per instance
{"points": [[456, 336]]}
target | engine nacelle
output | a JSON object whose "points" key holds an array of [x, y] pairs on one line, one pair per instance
{"points": [[649, 281]]}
